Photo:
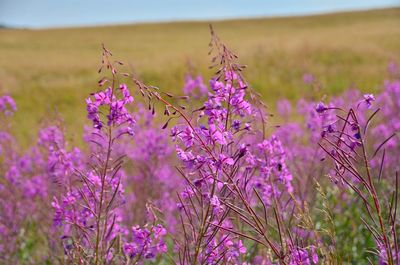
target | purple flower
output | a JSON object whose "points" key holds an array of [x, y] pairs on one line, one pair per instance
{"points": [[130, 249], [224, 160], [368, 99], [320, 108], [236, 125], [195, 86], [217, 134], [7, 105], [147, 242], [308, 78], [314, 255], [118, 114], [187, 136]]}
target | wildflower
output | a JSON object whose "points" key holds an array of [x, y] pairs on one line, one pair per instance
{"points": [[320, 108], [236, 125], [314, 255], [118, 114], [308, 79], [7, 105], [147, 241], [368, 99], [217, 134], [224, 160], [195, 86], [187, 136]]}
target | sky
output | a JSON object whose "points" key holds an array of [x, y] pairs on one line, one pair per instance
{"points": [[67, 13]]}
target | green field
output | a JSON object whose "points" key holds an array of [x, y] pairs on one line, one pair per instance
{"points": [[49, 71]]}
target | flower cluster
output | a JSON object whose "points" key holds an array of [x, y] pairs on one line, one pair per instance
{"points": [[7, 105], [91, 209], [146, 242], [194, 86], [117, 112], [273, 170], [302, 256], [227, 163], [31, 179]]}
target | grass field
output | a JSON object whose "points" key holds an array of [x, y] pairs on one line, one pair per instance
{"points": [[54, 70]]}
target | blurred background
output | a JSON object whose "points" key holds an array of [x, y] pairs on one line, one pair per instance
{"points": [[50, 50]]}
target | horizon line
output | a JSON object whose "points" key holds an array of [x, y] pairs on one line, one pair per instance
{"points": [[203, 20]]}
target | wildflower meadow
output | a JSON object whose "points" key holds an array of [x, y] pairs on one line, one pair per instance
{"points": [[206, 174]]}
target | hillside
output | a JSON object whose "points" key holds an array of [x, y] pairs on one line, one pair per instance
{"points": [[55, 69]]}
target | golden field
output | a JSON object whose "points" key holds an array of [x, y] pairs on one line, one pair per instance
{"points": [[52, 70]]}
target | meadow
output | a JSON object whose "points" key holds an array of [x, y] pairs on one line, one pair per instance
{"points": [[49, 71], [264, 141]]}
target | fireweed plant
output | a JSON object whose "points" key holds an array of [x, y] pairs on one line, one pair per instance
{"points": [[236, 178], [217, 184], [212, 163], [89, 211], [345, 142], [30, 178], [381, 146]]}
